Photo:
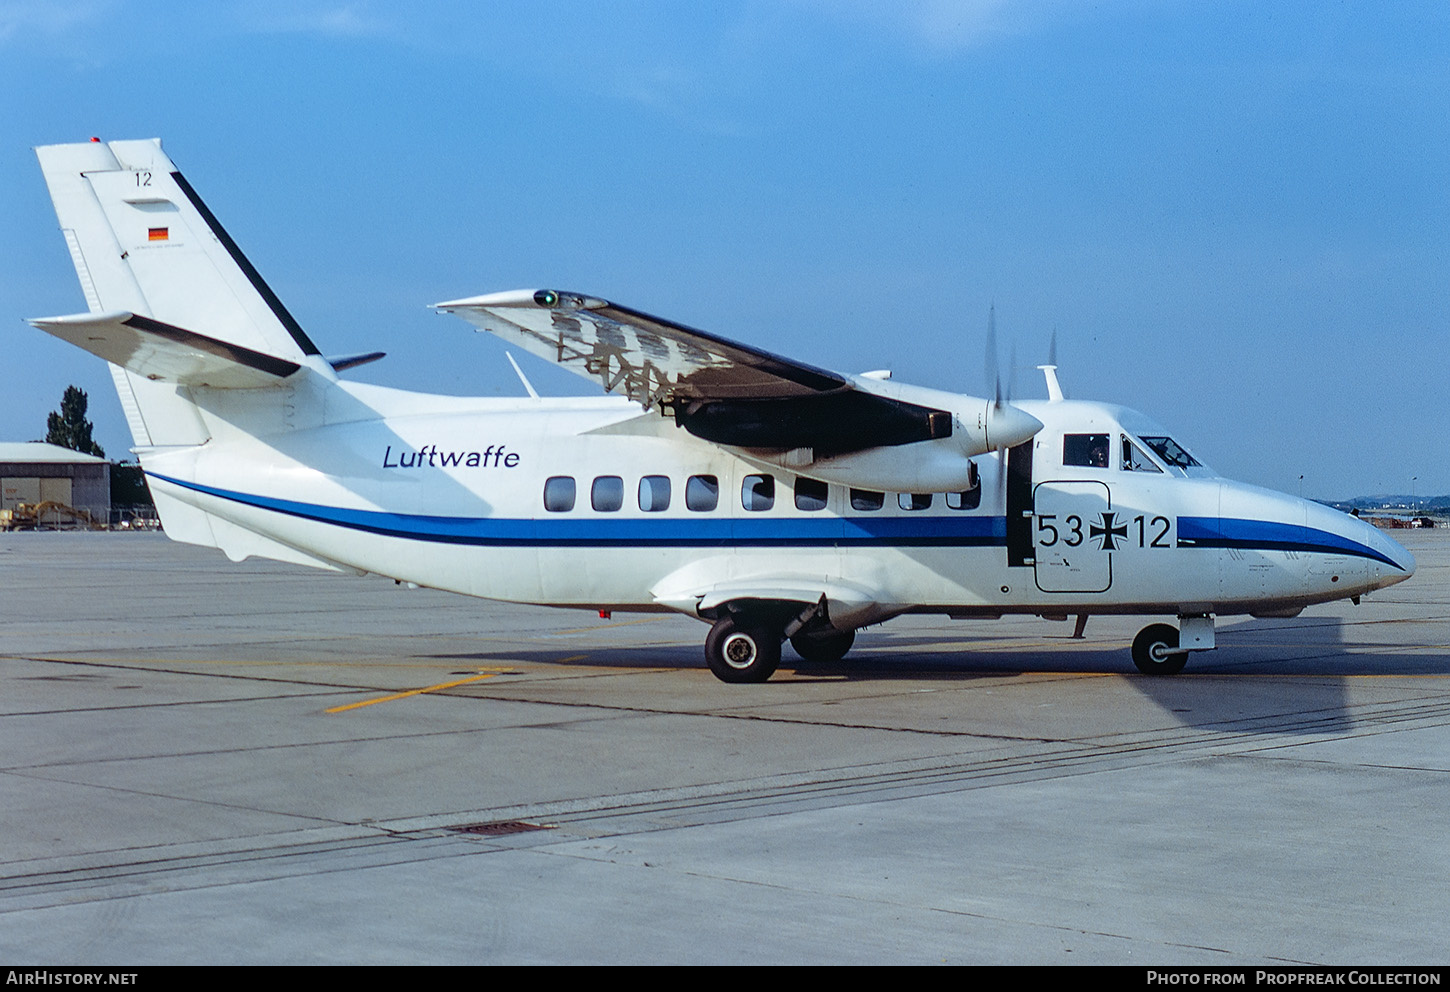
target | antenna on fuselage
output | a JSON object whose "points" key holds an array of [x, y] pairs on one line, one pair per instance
{"points": [[1049, 371], [520, 373]]}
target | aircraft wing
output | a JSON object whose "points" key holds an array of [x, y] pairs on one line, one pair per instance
{"points": [[648, 359], [719, 390]]}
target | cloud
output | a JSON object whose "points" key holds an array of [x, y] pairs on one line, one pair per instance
{"points": [[36, 20], [39, 18], [349, 20], [945, 27]]}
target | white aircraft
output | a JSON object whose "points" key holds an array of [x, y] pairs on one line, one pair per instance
{"points": [[774, 500]]}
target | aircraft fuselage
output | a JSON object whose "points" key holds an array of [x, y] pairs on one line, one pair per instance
{"points": [[457, 494]]}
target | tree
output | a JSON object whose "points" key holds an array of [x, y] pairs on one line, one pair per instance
{"points": [[128, 486], [69, 428]]}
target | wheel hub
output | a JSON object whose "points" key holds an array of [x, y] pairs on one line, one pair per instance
{"points": [[739, 651]]}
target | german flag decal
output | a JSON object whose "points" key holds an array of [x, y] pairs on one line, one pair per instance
{"points": [[158, 234]]}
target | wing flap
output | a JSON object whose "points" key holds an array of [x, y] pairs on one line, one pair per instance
{"points": [[167, 353]]}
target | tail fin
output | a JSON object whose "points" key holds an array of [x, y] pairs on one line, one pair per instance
{"points": [[173, 301]]}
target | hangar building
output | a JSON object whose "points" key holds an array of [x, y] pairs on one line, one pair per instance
{"points": [[32, 472]]}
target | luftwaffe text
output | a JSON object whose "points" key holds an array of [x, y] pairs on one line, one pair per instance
{"points": [[429, 456]]}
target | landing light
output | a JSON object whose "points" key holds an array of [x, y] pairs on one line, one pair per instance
{"points": [[546, 298]]}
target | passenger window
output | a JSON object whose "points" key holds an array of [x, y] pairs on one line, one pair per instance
{"points": [[654, 493], [810, 494], [702, 493], [914, 501], [757, 493], [1090, 450], [865, 499], [967, 499], [1134, 460], [607, 493], [559, 494]]}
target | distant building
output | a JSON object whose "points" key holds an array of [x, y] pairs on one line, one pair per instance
{"points": [[34, 473], [1390, 521]]}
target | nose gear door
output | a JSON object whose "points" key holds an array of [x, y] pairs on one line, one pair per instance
{"points": [[1074, 533]]}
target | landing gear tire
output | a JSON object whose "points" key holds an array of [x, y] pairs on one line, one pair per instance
{"points": [[827, 648], [1155, 650], [740, 650]]}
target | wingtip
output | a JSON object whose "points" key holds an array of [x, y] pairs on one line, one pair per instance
{"points": [[74, 319], [541, 299], [508, 298]]}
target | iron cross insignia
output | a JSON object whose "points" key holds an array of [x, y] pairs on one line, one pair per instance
{"points": [[1106, 530]]}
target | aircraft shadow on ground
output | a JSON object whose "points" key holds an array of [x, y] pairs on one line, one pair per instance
{"points": [[1237, 682]]}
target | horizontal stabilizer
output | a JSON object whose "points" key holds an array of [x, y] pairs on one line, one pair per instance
{"points": [[166, 353]]}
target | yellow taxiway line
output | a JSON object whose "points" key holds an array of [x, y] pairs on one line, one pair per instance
{"points": [[483, 674], [417, 692]]}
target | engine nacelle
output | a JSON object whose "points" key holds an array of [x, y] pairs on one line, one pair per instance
{"points": [[938, 465], [924, 467]]}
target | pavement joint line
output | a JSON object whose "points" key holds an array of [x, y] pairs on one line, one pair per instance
{"points": [[607, 626]]}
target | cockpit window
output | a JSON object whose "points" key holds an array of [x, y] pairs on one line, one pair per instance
{"points": [[1090, 450], [1135, 460], [1168, 449]]}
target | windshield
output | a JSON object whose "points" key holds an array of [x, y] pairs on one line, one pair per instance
{"points": [[1134, 460], [1170, 451]]}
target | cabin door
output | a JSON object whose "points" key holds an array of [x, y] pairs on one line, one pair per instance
{"points": [[1074, 532]]}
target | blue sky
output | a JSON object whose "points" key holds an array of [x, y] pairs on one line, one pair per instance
{"points": [[1234, 214]]}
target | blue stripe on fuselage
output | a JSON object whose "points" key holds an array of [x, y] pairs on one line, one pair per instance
{"points": [[923, 530], [654, 531], [1268, 535]]}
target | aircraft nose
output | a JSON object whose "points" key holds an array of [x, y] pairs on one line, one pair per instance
{"points": [[1403, 560], [1392, 562], [1007, 426]]}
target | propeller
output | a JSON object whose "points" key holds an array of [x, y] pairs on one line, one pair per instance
{"points": [[994, 370], [1005, 424], [1003, 420]]}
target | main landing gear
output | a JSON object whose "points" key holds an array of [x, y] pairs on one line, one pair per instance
{"points": [[1161, 649], [823, 647], [739, 650], [744, 644]]}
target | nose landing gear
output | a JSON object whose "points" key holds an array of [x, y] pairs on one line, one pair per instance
{"points": [[1160, 649], [1155, 650]]}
